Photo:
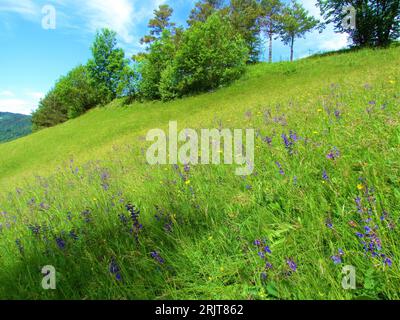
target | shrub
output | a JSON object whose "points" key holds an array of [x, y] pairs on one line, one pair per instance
{"points": [[73, 95], [160, 55], [209, 56]]}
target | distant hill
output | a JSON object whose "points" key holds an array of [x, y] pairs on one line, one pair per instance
{"points": [[13, 126]]}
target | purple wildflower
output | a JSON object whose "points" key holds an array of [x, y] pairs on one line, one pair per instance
{"points": [[388, 262], [86, 216], [268, 140], [292, 265], [281, 171], [156, 256], [267, 249], [186, 168], [336, 259], [288, 143], [115, 270], [333, 154], [73, 235], [60, 243]]}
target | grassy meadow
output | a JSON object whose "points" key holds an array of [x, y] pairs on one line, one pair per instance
{"points": [[325, 193]]}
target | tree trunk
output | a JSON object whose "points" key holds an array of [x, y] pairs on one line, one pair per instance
{"points": [[270, 44], [292, 50]]}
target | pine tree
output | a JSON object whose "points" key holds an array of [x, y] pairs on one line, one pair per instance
{"points": [[270, 14], [204, 9], [244, 17], [295, 22], [159, 23]]}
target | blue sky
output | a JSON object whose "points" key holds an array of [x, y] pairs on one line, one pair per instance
{"points": [[33, 58]]}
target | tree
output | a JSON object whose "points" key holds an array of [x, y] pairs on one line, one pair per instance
{"points": [[151, 65], [204, 9], [51, 111], [295, 22], [159, 23], [72, 96], [377, 21], [129, 85], [270, 15], [107, 65], [76, 92], [211, 55], [244, 16]]}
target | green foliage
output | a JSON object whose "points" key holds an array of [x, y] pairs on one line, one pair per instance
{"points": [[106, 76], [210, 55], [206, 56], [159, 23], [160, 55], [77, 92], [295, 22], [244, 16], [377, 22], [51, 111], [203, 9], [13, 126], [72, 95], [271, 11], [129, 83], [107, 66]]}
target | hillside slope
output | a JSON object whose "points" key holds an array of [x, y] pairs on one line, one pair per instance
{"points": [[96, 132], [328, 133], [13, 126]]}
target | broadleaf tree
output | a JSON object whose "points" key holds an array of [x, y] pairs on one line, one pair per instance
{"points": [[107, 64], [377, 22]]}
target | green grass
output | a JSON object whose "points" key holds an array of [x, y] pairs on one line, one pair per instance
{"points": [[96, 163]]}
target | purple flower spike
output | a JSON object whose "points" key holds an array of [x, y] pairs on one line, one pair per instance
{"points": [[292, 265]]}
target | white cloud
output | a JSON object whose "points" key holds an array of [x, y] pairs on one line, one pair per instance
{"points": [[116, 15], [24, 7], [6, 93], [35, 95], [328, 40], [122, 16], [311, 6], [15, 106], [337, 42], [23, 103]]}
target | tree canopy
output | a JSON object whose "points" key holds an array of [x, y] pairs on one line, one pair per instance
{"points": [[377, 21]]}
